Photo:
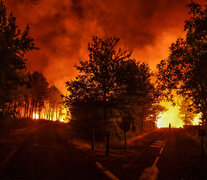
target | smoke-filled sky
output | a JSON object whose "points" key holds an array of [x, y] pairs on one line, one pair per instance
{"points": [[63, 28]]}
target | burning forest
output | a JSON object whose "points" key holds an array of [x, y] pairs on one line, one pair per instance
{"points": [[112, 78], [93, 70]]}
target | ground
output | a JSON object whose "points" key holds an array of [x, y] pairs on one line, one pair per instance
{"points": [[53, 152]]}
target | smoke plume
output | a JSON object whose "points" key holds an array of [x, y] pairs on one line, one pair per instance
{"points": [[63, 28]]}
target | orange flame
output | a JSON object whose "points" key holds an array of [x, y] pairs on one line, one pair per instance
{"points": [[35, 116], [54, 117], [197, 119], [171, 116]]}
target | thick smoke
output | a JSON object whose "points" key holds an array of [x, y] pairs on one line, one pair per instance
{"points": [[63, 28]]}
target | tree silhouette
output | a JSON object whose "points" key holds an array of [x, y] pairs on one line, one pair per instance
{"points": [[187, 112], [55, 100], [185, 69], [14, 44], [39, 91], [109, 86], [97, 76], [137, 95]]}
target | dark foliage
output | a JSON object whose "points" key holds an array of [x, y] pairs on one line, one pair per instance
{"points": [[109, 86], [186, 68], [14, 44]]}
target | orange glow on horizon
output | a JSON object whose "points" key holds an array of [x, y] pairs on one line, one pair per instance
{"points": [[172, 116]]}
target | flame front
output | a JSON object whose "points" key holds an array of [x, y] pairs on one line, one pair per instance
{"points": [[35, 116], [56, 116], [171, 116], [197, 119]]}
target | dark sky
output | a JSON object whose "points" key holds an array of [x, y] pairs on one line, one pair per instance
{"points": [[63, 28]]}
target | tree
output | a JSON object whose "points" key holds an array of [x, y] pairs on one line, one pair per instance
{"points": [[187, 112], [97, 79], [97, 76], [55, 101], [186, 67], [137, 96], [107, 86], [39, 92], [14, 44]]}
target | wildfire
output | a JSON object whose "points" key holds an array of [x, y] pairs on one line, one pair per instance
{"points": [[54, 117], [197, 119], [171, 116], [35, 116], [62, 120]]}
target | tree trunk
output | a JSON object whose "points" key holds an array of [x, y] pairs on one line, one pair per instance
{"points": [[35, 109], [31, 111], [15, 109], [52, 113], [125, 141], [106, 124], [28, 109], [56, 114], [39, 111], [4, 109], [107, 144], [142, 119], [25, 109], [92, 139]]}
